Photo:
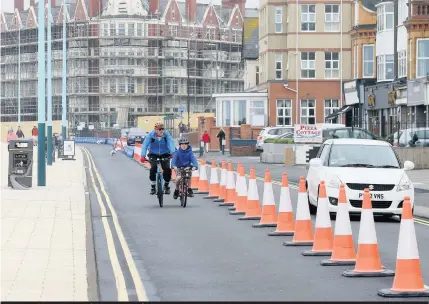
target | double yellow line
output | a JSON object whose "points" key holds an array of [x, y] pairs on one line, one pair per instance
{"points": [[295, 187], [117, 270]]}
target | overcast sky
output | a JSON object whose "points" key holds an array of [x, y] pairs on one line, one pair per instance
{"points": [[7, 5]]}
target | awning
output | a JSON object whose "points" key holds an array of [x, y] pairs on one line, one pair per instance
{"points": [[341, 111]]}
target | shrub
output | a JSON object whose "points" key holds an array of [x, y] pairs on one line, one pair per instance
{"points": [[279, 141]]}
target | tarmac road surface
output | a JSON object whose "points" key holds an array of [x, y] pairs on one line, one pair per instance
{"points": [[202, 253]]}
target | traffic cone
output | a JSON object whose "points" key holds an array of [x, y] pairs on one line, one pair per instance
{"points": [[230, 187], [214, 182], [303, 235], [323, 240], [343, 250], [237, 179], [195, 179], [222, 186], [285, 223], [253, 206], [203, 184], [269, 216], [408, 281], [368, 262], [241, 200]]}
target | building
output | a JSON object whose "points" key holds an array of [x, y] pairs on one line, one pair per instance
{"points": [[304, 56], [124, 58], [417, 26]]}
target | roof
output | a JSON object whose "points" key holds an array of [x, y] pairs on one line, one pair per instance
{"points": [[356, 141], [370, 4]]}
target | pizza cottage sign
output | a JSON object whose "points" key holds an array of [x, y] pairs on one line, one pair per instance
{"points": [[308, 134]]}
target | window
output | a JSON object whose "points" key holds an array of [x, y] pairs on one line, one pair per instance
{"points": [[284, 112], [257, 75], [331, 106], [278, 66], [112, 85], [139, 29], [131, 29], [257, 113], [355, 61], [332, 18], [105, 29], [422, 57], [331, 65], [308, 111], [121, 29], [368, 60], [278, 19], [402, 63], [385, 17], [112, 29], [308, 65], [226, 109], [384, 67], [239, 112], [308, 17]]}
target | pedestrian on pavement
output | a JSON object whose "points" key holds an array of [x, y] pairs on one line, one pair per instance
{"points": [[19, 132], [221, 135], [34, 134], [206, 140]]}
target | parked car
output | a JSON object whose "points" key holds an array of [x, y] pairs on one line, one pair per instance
{"points": [[348, 132], [271, 132], [360, 164], [412, 137]]}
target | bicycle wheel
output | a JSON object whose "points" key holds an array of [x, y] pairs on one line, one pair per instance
{"points": [[160, 192], [185, 193], [181, 194]]}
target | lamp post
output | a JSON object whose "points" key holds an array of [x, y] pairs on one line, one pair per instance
{"points": [[41, 161], [49, 126], [187, 90], [64, 78]]}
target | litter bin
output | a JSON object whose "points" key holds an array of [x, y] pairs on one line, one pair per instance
{"points": [[20, 164]]}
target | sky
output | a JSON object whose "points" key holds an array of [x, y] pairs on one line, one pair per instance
{"points": [[7, 5]]}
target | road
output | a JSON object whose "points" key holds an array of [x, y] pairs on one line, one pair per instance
{"points": [[202, 253]]}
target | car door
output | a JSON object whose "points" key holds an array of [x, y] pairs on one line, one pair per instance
{"points": [[315, 173]]}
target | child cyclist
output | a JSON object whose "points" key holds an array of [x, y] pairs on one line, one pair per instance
{"points": [[182, 158]]}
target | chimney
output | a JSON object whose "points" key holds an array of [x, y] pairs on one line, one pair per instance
{"points": [[191, 9], [19, 5], [153, 6], [94, 8]]}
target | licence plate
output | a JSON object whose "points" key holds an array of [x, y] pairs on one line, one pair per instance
{"points": [[379, 196]]}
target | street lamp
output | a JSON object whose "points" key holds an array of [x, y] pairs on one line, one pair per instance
{"points": [[41, 161]]}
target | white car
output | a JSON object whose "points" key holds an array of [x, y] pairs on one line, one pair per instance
{"points": [[360, 164], [271, 132]]}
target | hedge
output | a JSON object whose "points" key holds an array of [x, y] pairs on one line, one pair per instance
{"points": [[279, 141]]}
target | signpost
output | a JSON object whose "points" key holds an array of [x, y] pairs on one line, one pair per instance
{"points": [[308, 134], [69, 148]]}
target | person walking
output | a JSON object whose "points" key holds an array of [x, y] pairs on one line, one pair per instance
{"points": [[19, 132], [34, 134], [206, 140], [221, 136]]}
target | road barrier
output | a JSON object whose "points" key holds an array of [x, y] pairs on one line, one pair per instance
{"points": [[229, 200], [285, 221], [203, 183], [222, 186], [234, 200], [253, 208]]}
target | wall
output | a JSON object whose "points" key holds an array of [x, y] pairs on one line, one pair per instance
{"points": [[26, 127], [147, 122], [250, 73], [418, 155]]}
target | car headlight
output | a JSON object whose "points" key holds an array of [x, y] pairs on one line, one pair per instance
{"points": [[404, 184], [334, 182]]}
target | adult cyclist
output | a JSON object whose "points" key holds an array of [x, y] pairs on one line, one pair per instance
{"points": [[160, 145]]}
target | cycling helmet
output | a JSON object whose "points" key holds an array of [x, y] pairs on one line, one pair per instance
{"points": [[158, 126], [183, 140]]}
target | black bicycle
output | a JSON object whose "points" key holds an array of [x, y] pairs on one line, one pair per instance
{"points": [[185, 176], [159, 180]]}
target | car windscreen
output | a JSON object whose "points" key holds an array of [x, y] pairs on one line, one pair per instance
{"points": [[365, 156]]}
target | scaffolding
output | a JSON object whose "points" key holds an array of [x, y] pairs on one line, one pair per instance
{"points": [[122, 67]]}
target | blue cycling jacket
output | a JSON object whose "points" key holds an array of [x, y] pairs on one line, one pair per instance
{"points": [[158, 145], [184, 158]]}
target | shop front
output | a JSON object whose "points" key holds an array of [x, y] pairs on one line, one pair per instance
{"points": [[418, 103]]}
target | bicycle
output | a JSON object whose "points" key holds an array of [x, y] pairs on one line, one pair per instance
{"points": [[159, 180], [185, 176]]}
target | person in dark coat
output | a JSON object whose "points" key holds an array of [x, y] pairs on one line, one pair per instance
{"points": [[221, 135]]}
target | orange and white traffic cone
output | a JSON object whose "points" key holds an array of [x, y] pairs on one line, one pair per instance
{"points": [[285, 222], [343, 249], [237, 182], [230, 187], [303, 235], [222, 186], [368, 262], [195, 179], [253, 206], [323, 240], [408, 281], [214, 182], [269, 216], [241, 200], [203, 184]]}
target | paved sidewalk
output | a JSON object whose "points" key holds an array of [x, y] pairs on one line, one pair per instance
{"points": [[43, 245]]}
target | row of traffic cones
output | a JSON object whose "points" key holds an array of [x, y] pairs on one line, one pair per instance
{"points": [[242, 200]]}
